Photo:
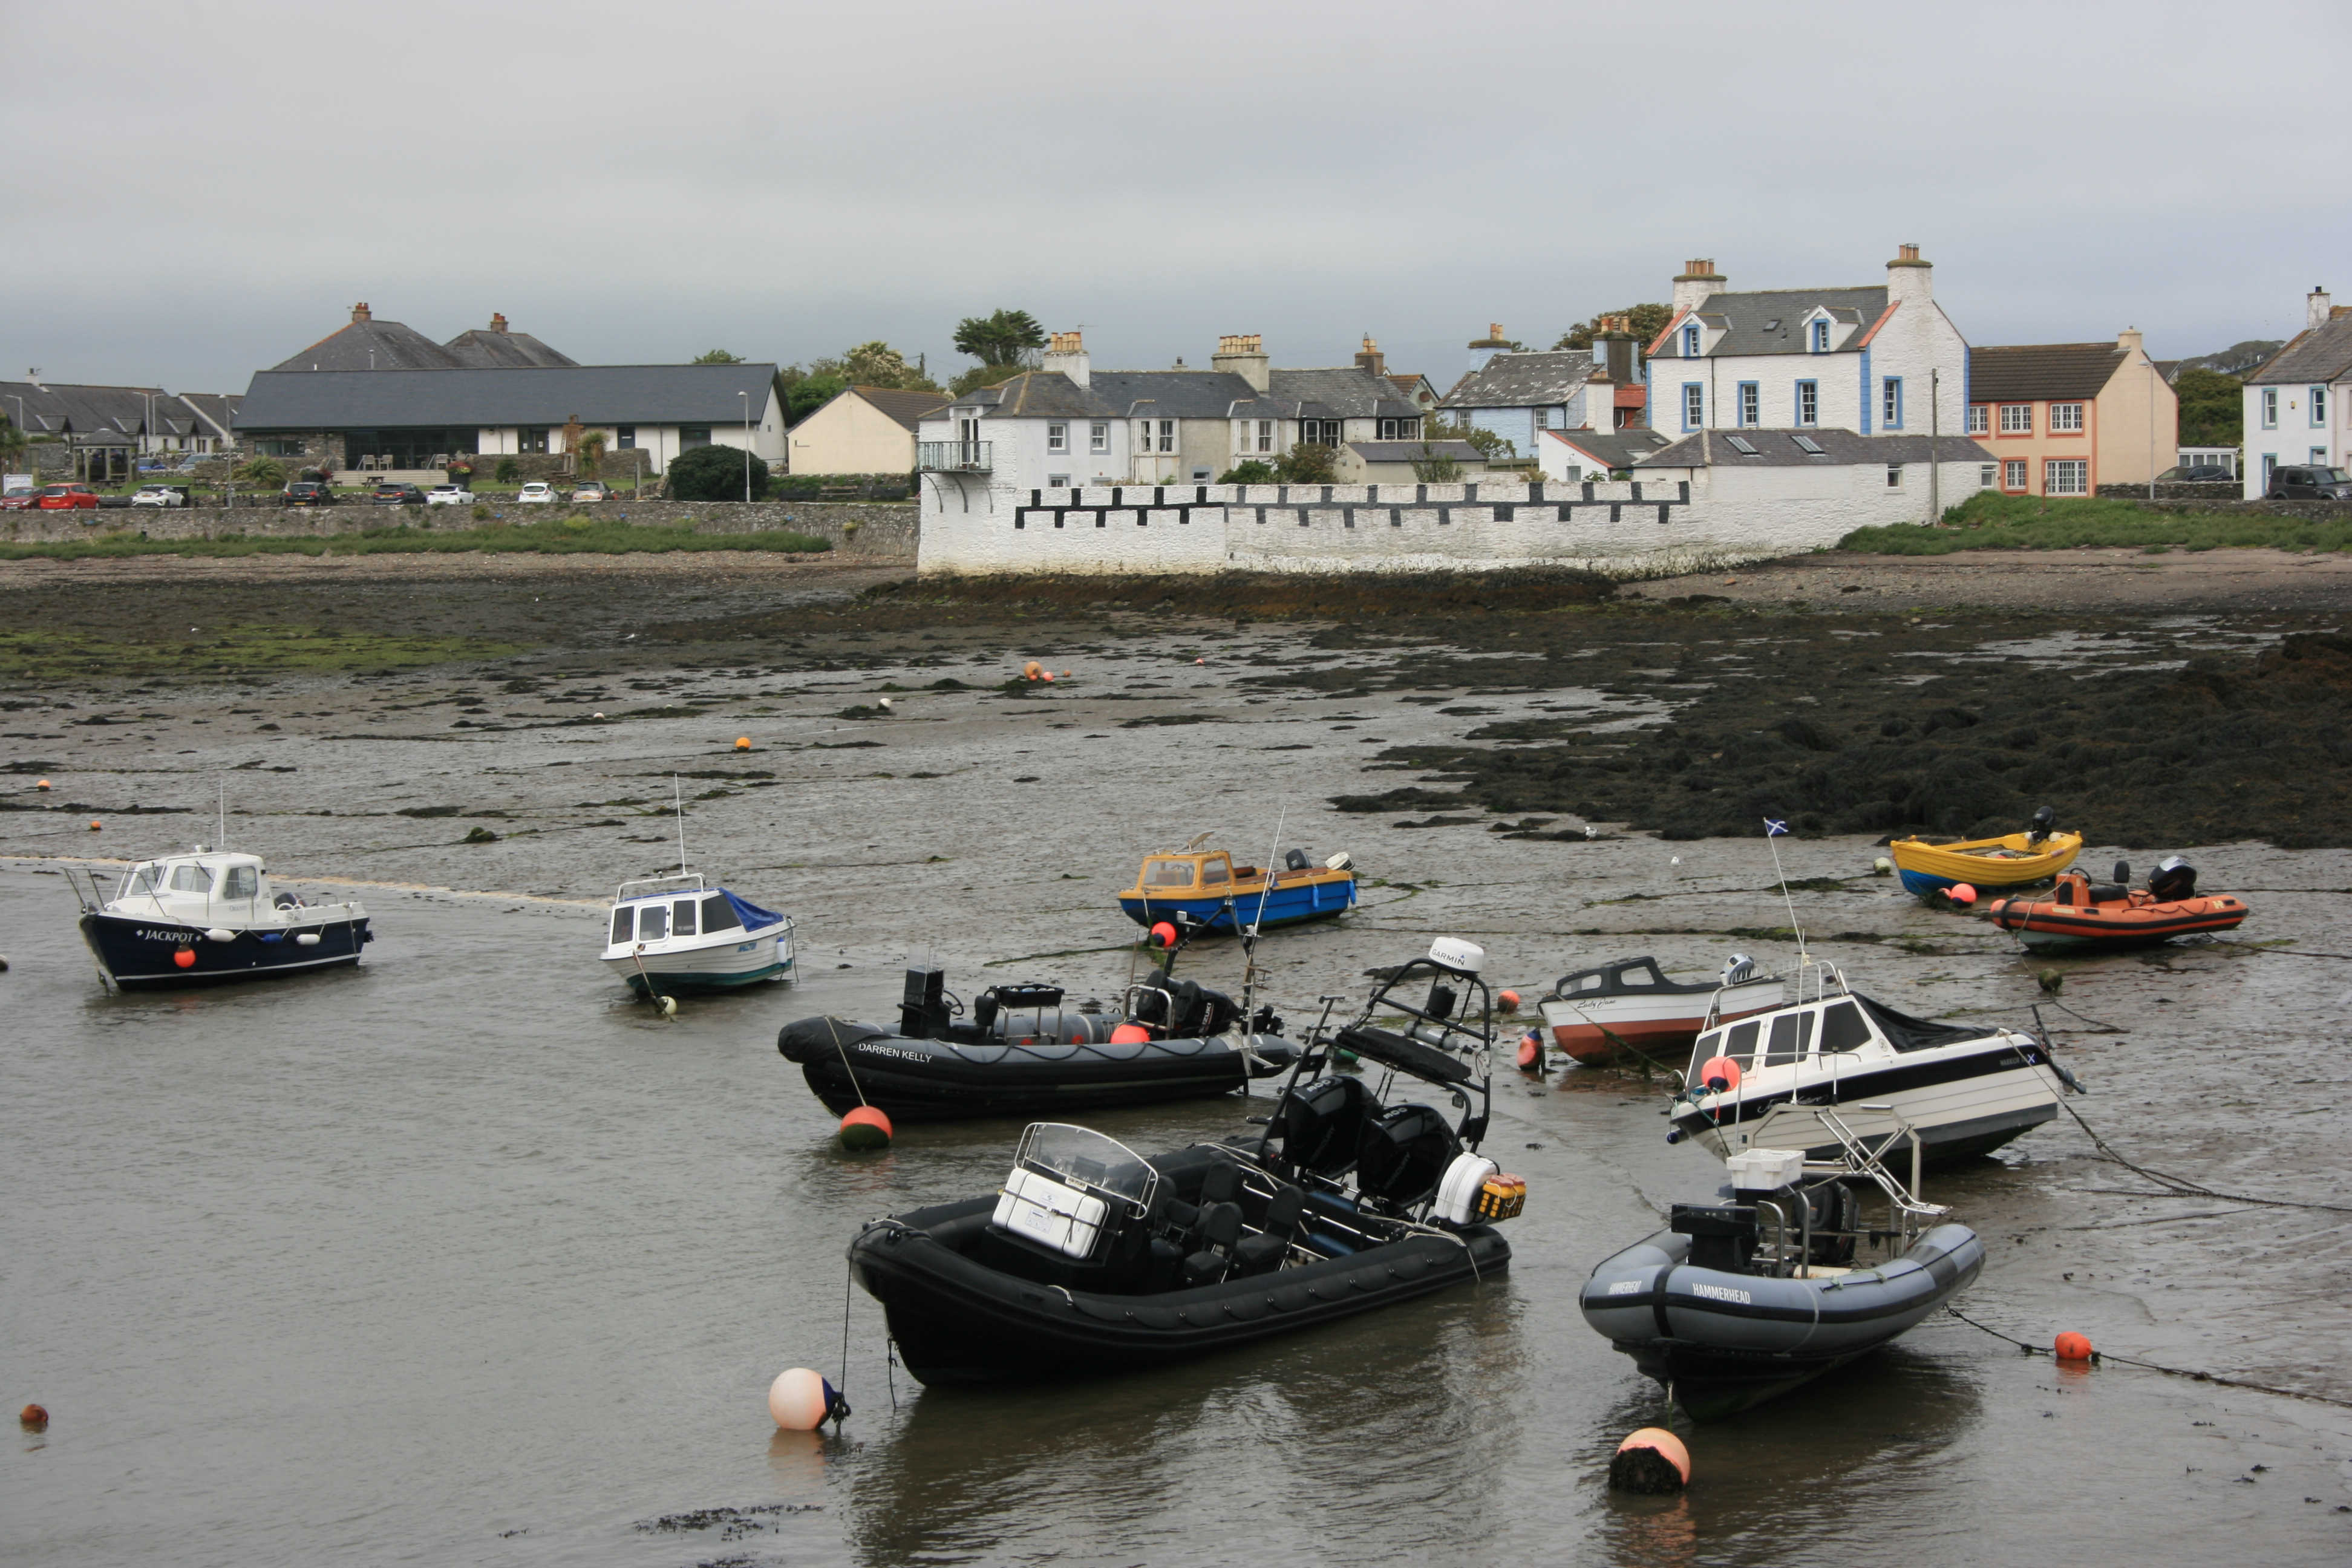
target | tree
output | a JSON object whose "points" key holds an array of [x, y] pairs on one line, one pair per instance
{"points": [[1490, 445], [715, 473], [877, 363], [981, 375], [262, 471], [1435, 468], [1003, 337], [1646, 322], [1248, 471], [2213, 408], [1308, 463], [809, 393], [590, 448], [716, 356]]}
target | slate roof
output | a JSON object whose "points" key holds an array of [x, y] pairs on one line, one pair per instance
{"points": [[1175, 393], [1617, 448], [2315, 355], [1779, 449], [109, 414], [602, 395], [218, 410], [1347, 392], [1523, 380], [2032, 372], [909, 408], [1771, 320], [1039, 394], [486, 349], [394, 346], [1414, 451]]}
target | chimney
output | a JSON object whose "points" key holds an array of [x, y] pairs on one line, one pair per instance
{"points": [[360, 314], [1696, 284], [1065, 354], [2130, 341], [499, 322], [2314, 308], [1618, 345], [1908, 277], [1487, 347], [1244, 354], [1371, 360]]}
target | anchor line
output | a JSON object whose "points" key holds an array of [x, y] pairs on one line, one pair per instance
{"points": [[2099, 1357], [842, 1051], [2182, 1186]]}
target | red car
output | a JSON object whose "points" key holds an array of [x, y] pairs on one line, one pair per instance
{"points": [[66, 498]]}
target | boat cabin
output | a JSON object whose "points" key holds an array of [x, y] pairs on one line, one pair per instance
{"points": [[1835, 1026], [206, 887], [1175, 875], [670, 913]]}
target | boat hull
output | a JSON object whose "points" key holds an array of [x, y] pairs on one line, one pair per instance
{"points": [[713, 966], [1928, 868], [848, 1064], [1962, 1104], [143, 954], [956, 1322], [1660, 1028], [2044, 925], [1722, 1343], [1320, 896]]}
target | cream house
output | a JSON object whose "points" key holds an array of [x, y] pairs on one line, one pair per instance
{"points": [[2062, 420], [863, 430]]}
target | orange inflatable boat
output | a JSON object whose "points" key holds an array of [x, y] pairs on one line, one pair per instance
{"points": [[2079, 917]]}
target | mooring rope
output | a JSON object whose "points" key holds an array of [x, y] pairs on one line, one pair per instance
{"points": [[2182, 1186], [2099, 1357]]}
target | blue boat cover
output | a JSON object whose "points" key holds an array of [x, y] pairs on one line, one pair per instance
{"points": [[751, 914]]}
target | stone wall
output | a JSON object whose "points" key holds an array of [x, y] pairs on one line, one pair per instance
{"points": [[2300, 511], [859, 531], [2177, 489]]}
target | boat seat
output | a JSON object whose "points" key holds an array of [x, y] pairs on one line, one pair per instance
{"points": [[1266, 1249], [1222, 1184], [1220, 1228]]}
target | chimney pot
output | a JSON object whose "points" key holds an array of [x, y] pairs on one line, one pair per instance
{"points": [[360, 314], [2316, 309], [1065, 354], [497, 322]]}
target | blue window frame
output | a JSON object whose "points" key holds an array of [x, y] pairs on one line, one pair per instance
{"points": [[1818, 336], [1690, 343], [1751, 404], [1809, 402], [2269, 408], [1693, 405], [2319, 408], [1890, 404]]}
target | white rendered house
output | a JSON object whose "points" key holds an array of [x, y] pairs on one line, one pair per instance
{"points": [[2295, 409]]}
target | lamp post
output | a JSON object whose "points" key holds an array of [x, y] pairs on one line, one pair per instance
{"points": [[1935, 435], [746, 443]]}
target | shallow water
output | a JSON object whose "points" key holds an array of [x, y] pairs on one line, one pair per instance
{"points": [[462, 1257]]}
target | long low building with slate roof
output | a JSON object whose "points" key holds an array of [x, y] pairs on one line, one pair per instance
{"points": [[101, 432], [2296, 403]]}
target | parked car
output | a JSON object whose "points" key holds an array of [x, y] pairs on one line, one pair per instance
{"points": [[396, 493], [161, 495], [20, 500], [539, 492], [448, 495], [2309, 484], [310, 493], [2201, 472], [68, 497], [590, 489]]}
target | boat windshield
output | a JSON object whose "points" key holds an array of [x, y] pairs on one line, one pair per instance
{"points": [[1084, 1158], [1168, 873]]}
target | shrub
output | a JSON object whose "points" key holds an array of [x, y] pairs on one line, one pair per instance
{"points": [[262, 471], [481, 512], [1308, 463], [507, 472], [1248, 472], [716, 473]]}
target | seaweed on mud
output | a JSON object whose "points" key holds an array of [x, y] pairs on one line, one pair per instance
{"points": [[2221, 749]]}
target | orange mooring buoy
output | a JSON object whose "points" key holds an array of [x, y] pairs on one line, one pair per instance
{"points": [[1651, 1460], [1531, 1051], [33, 1418], [742, 742], [43, 785], [866, 1128], [2072, 1346], [93, 824]]}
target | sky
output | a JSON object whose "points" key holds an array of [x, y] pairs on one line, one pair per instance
{"points": [[197, 190]]}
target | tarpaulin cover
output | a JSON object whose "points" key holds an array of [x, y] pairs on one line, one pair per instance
{"points": [[751, 914]]}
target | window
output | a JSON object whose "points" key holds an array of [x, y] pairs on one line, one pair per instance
{"points": [[1321, 432], [278, 447], [1168, 434], [1057, 481], [624, 920], [2319, 459], [2066, 419], [1400, 429], [1894, 475], [191, 879], [241, 882], [1809, 402], [532, 438], [1058, 438], [2319, 409], [624, 438], [683, 923], [2269, 408], [1099, 436], [1979, 419], [1808, 446], [1890, 402], [1265, 435], [718, 914], [2065, 477], [1751, 404], [652, 922], [1690, 343], [2017, 419], [1168, 874], [1819, 337], [1741, 444], [1693, 405], [1843, 1028], [1987, 474], [1791, 1036], [692, 435], [2012, 475]]}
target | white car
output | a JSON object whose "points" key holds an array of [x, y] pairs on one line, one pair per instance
{"points": [[538, 492], [158, 495], [448, 495]]}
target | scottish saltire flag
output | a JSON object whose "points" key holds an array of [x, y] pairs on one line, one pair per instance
{"points": [[1774, 829]]}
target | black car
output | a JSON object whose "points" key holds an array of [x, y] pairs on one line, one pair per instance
{"points": [[310, 493], [391, 493], [2301, 483]]}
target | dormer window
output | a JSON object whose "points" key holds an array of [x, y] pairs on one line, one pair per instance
{"points": [[1818, 336], [1690, 343]]}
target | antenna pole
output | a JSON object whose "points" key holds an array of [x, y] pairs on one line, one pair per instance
{"points": [[224, 814], [1772, 831], [677, 803]]}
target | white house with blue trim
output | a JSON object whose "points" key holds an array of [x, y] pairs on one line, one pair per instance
{"points": [[1858, 359], [2299, 406]]}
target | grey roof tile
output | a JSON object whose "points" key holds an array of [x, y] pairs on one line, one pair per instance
{"points": [[604, 395], [1771, 322], [1617, 448], [484, 349], [1779, 449], [2316, 354], [372, 345], [1523, 380]]}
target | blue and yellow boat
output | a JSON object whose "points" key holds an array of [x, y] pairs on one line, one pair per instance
{"points": [[1222, 896]]}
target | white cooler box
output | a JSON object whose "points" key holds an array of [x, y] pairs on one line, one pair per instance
{"points": [[1050, 1213]]}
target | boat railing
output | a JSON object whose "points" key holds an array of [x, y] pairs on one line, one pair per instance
{"points": [[84, 882], [677, 881]]}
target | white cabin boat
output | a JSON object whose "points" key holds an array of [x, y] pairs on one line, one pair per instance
{"points": [[207, 916], [680, 934]]}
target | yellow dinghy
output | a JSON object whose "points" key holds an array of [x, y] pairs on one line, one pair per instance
{"points": [[2011, 860]]}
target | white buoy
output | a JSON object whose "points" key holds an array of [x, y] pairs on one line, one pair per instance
{"points": [[306, 939], [800, 1400], [220, 934], [1881, 866], [669, 1006]]}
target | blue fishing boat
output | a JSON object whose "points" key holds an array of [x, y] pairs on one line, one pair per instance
{"points": [[1207, 886]]}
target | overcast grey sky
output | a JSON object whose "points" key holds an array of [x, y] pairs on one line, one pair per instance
{"points": [[196, 189]]}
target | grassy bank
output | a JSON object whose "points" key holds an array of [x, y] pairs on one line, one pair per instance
{"points": [[57, 655], [1990, 520], [567, 536]]}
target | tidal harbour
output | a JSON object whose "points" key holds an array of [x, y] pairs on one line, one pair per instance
{"points": [[466, 1254]]}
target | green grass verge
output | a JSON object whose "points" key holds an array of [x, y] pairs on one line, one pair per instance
{"points": [[268, 648], [567, 536], [1990, 520]]}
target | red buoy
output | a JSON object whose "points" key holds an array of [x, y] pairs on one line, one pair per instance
{"points": [[866, 1128], [1129, 1034], [1509, 999], [1719, 1074], [2072, 1346], [1651, 1460], [33, 1418], [185, 958], [1961, 893], [1163, 935], [1530, 1052]]}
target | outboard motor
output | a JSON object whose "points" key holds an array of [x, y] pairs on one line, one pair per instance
{"points": [[2174, 879], [1404, 1155], [1296, 859], [1322, 1124], [2044, 823], [922, 1008], [1740, 968]]}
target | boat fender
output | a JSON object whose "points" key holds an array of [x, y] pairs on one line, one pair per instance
{"points": [[1720, 1074], [220, 934], [306, 939], [185, 958], [1457, 1192]]}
